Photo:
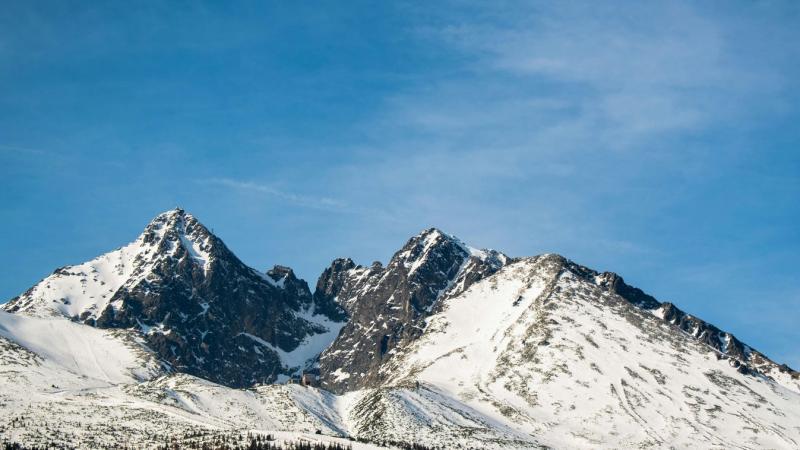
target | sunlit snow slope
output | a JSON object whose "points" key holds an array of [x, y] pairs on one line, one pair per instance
{"points": [[552, 355]]}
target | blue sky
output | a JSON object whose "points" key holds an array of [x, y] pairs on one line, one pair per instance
{"points": [[657, 140]]}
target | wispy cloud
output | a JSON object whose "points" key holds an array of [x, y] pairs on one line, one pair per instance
{"points": [[577, 114], [623, 73], [22, 150], [323, 203]]}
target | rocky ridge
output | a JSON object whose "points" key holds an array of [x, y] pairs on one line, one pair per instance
{"points": [[445, 345], [201, 309]]}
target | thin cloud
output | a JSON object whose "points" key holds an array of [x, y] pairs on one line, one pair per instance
{"points": [[629, 74], [578, 115], [324, 203], [23, 150]]}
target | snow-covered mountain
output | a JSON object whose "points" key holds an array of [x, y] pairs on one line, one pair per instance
{"points": [[386, 307], [193, 301], [445, 346], [563, 358]]}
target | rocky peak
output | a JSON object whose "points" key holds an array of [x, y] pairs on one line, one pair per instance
{"points": [[181, 235], [284, 278], [430, 243], [333, 281], [198, 307], [393, 301], [429, 262], [278, 273]]}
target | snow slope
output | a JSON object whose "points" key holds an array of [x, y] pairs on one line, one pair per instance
{"points": [[102, 356], [42, 402], [552, 355]]}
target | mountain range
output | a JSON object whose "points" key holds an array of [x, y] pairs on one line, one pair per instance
{"points": [[446, 345]]}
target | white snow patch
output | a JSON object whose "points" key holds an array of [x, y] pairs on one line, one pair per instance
{"points": [[80, 349]]}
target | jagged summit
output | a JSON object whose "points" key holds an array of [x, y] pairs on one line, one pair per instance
{"points": [[393, 301], [197, 305], [431, 239], [85, 291]]}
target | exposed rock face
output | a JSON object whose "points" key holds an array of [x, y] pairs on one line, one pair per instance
{"points": [[198, 306], [387, 306]]}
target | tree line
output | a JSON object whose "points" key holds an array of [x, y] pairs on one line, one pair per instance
{"points": [[252, 442]]}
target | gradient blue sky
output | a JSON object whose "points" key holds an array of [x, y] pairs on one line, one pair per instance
{"points": [[655, 139]]}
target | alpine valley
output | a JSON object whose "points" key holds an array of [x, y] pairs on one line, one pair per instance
{"points": [[172, 340]]}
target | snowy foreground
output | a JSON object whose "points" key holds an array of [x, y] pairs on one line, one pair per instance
{"points": [[522, 359], [75, 384]]}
